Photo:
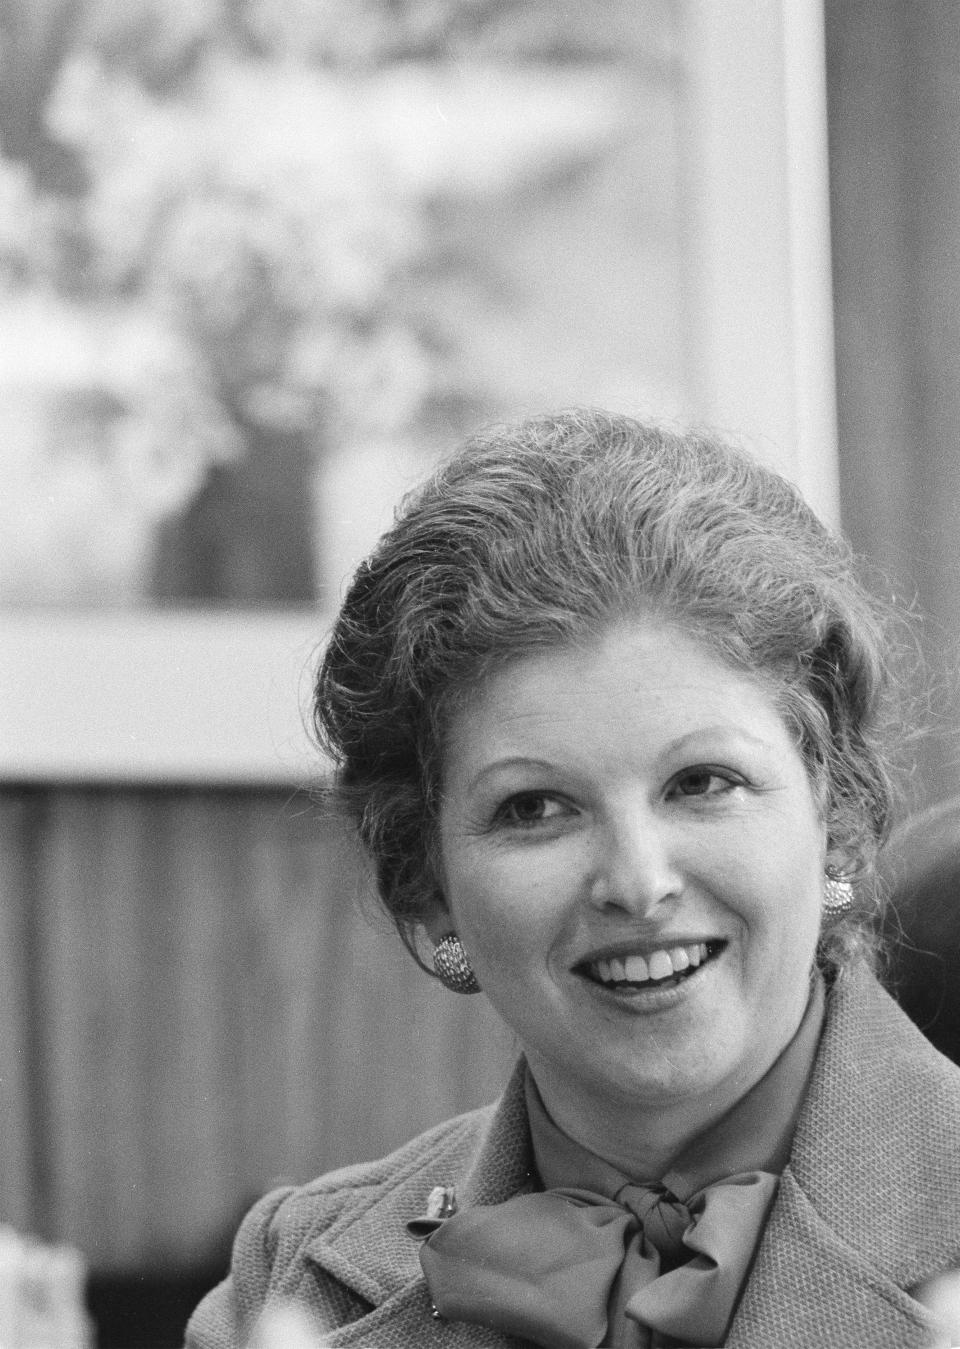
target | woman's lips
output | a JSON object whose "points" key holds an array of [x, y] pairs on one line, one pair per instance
{"points": [[654, 967]]}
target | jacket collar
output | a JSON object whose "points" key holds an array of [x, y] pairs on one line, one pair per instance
{"points": [[488, 1159], [869, 1205]]}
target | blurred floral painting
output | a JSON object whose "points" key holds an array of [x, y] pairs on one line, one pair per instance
{"points": [[262, 260]]}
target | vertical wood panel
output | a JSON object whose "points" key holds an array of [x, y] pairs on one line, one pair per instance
{"points": [[218, 1012], [18, 1200]]}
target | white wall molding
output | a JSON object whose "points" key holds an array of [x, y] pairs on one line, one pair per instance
{"points": [[154, 696], [755, 193]]}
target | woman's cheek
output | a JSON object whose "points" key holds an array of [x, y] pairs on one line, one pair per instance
{"points": [[509, 898]]}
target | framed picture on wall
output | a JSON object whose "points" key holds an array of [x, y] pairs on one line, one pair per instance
{"points": [[321, 254]]}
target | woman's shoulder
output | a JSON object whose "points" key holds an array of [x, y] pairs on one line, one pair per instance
{"points": [[451, 1146], [286, 1227]]}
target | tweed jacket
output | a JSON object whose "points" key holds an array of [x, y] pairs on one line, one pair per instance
{"points": [[867, 1209]]}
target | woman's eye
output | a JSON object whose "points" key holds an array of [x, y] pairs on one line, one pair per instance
{"points": [[529, 808], [702, 782]]}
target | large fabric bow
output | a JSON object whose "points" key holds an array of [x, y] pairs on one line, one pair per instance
{"points": [[571, 1269]]}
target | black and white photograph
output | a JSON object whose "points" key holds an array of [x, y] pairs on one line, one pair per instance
{"points": [[479, 674]]}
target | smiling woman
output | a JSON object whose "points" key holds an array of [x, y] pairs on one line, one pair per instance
{"points": [[608, 708]]}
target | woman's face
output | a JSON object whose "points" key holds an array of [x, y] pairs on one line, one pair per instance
{"points": [[633, 858]]}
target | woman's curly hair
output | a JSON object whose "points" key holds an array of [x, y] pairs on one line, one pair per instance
{"points": [[538, 535]]}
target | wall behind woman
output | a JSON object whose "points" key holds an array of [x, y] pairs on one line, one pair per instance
{"points": [[192, 1006], [894, 118], [199, 1003], [331, 239]]}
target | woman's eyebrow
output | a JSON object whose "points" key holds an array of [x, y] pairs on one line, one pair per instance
{"points": [[505, 763], [718, 732]]}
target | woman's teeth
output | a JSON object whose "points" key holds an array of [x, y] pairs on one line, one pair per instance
{"points": [[652, 968]]}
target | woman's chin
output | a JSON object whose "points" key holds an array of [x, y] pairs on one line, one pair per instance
{"points": [[676, 1039]]}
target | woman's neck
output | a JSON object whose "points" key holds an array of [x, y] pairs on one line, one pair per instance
{"points": [[748, 1119], [640, 1143]]}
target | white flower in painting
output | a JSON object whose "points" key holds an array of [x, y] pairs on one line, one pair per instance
{"points": [[108, 428]]}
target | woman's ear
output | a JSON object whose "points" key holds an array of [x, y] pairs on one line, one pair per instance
{"points": [[837, 860]]}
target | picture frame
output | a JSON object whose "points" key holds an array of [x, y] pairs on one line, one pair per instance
{"points": [[197, 694]]}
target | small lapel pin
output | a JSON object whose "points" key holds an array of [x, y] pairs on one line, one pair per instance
{"points": [[441, 1203]]}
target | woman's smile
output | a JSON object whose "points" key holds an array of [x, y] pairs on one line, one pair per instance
{"points": [[633, 859], [633, 972]]}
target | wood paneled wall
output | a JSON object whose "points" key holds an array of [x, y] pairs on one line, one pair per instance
{"points": [[197, 1001]]}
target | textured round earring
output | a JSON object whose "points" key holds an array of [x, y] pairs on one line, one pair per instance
{"points": [[452, 966], [837, 893]]}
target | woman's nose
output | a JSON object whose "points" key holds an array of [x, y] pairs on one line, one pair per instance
{"points": [[635, 867]]}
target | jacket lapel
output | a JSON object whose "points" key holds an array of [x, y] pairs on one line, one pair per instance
{"points": [[407, 1319], [375, 1257], [870, 1203], [808, 1288]]}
